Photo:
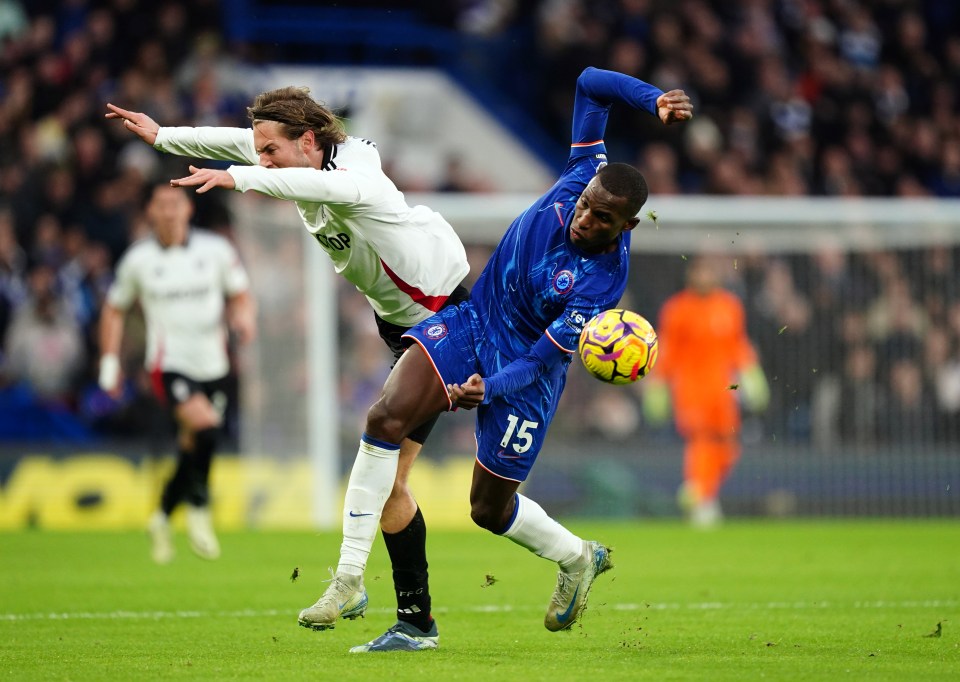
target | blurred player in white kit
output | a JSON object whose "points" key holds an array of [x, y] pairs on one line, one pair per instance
{"points": [[191, 287]]}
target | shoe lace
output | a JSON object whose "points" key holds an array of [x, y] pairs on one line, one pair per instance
{"points": [[336, 589], [559, 595]]}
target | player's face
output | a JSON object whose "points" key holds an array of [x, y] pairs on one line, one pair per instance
{"points": [[598, 219], [278, 151], [702, 276], [169, 212]]}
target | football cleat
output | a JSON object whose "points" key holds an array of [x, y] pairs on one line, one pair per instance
{"points": [[345, 598], [203, 541], [706, 514], [402, 637], [161, 542], [570, 596]]}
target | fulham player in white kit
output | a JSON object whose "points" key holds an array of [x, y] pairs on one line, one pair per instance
{"points": [[407, 261], [189, 283]]}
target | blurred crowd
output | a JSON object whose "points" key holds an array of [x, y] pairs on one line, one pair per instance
{"points": [[792, 97]]}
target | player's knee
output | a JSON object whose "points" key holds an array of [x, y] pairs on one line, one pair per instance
{"points": [[486, 516], [383, 425]]}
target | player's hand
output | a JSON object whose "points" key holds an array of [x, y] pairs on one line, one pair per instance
{"points": [[468, 394], [139, 124], [674, 106], [205, 179], [754, 389], [110, 378]]}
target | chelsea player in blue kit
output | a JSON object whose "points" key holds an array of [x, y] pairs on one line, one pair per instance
{"points": [[505, 352]]}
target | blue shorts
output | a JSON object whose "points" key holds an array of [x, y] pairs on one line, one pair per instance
{"points": [[510, 429]]}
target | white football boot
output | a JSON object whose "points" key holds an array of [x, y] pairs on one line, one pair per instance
{"points": [[570, 596], [345, 598], [161, 540], [203, 541]]}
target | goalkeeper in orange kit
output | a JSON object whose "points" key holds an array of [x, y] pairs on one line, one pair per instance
{"points": [[707, 367]]}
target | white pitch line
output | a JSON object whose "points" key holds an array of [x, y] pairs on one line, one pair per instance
{"points": [[495, 608]]}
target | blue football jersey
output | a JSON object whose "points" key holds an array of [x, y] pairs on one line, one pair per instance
{"points": [[537, 281]]}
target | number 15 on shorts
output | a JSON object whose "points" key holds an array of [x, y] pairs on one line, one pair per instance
{"points": [[522, 438]]}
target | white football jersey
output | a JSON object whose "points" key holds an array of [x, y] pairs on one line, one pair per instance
{"points": [[182, 290], [405, 260]]}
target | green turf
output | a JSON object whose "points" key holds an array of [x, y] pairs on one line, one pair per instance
{"points": [[776, 601]]}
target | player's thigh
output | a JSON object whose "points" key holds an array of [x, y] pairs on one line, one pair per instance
{"points": [[190, 402], [197, 413], [491, 492], [412, 393]]}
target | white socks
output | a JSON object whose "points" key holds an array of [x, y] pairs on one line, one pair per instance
{"points": [[533, 529], [371, 481]]}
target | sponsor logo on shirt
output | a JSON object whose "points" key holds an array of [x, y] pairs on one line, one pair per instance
{"points": [[337, 242], [576, 321], [177, 294]]}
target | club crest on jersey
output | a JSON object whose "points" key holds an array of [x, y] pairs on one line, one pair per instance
{"points": [[563, 282], [435, 332]]}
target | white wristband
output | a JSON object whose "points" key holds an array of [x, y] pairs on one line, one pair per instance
{"points": [[109, 371]]}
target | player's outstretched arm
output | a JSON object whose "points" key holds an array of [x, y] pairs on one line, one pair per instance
{"points": [[674, 107], [205, 179], [139, 124]]}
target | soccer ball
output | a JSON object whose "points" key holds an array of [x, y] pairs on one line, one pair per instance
{"points": [[618, 346]]}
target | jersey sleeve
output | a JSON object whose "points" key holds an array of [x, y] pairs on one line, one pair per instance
{"points": [[566, 329], [125, 288], [597, 91], [206, 142], [542, 357], [300, 184]]}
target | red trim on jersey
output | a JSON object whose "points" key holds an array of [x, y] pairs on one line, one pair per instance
{"points": [[156, 383], [434, 303], [554, 342], [494, 473], [586, 144], [557, 205], [156, 376]]}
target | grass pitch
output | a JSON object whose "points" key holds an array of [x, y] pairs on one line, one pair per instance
{"points": [[816, 600]]}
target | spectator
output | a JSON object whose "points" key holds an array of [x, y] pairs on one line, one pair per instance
{"points": [[854, 99], [44, 345]]}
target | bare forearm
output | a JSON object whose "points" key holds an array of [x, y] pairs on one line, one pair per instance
{"points": [[242, 316], [111, 329]]}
